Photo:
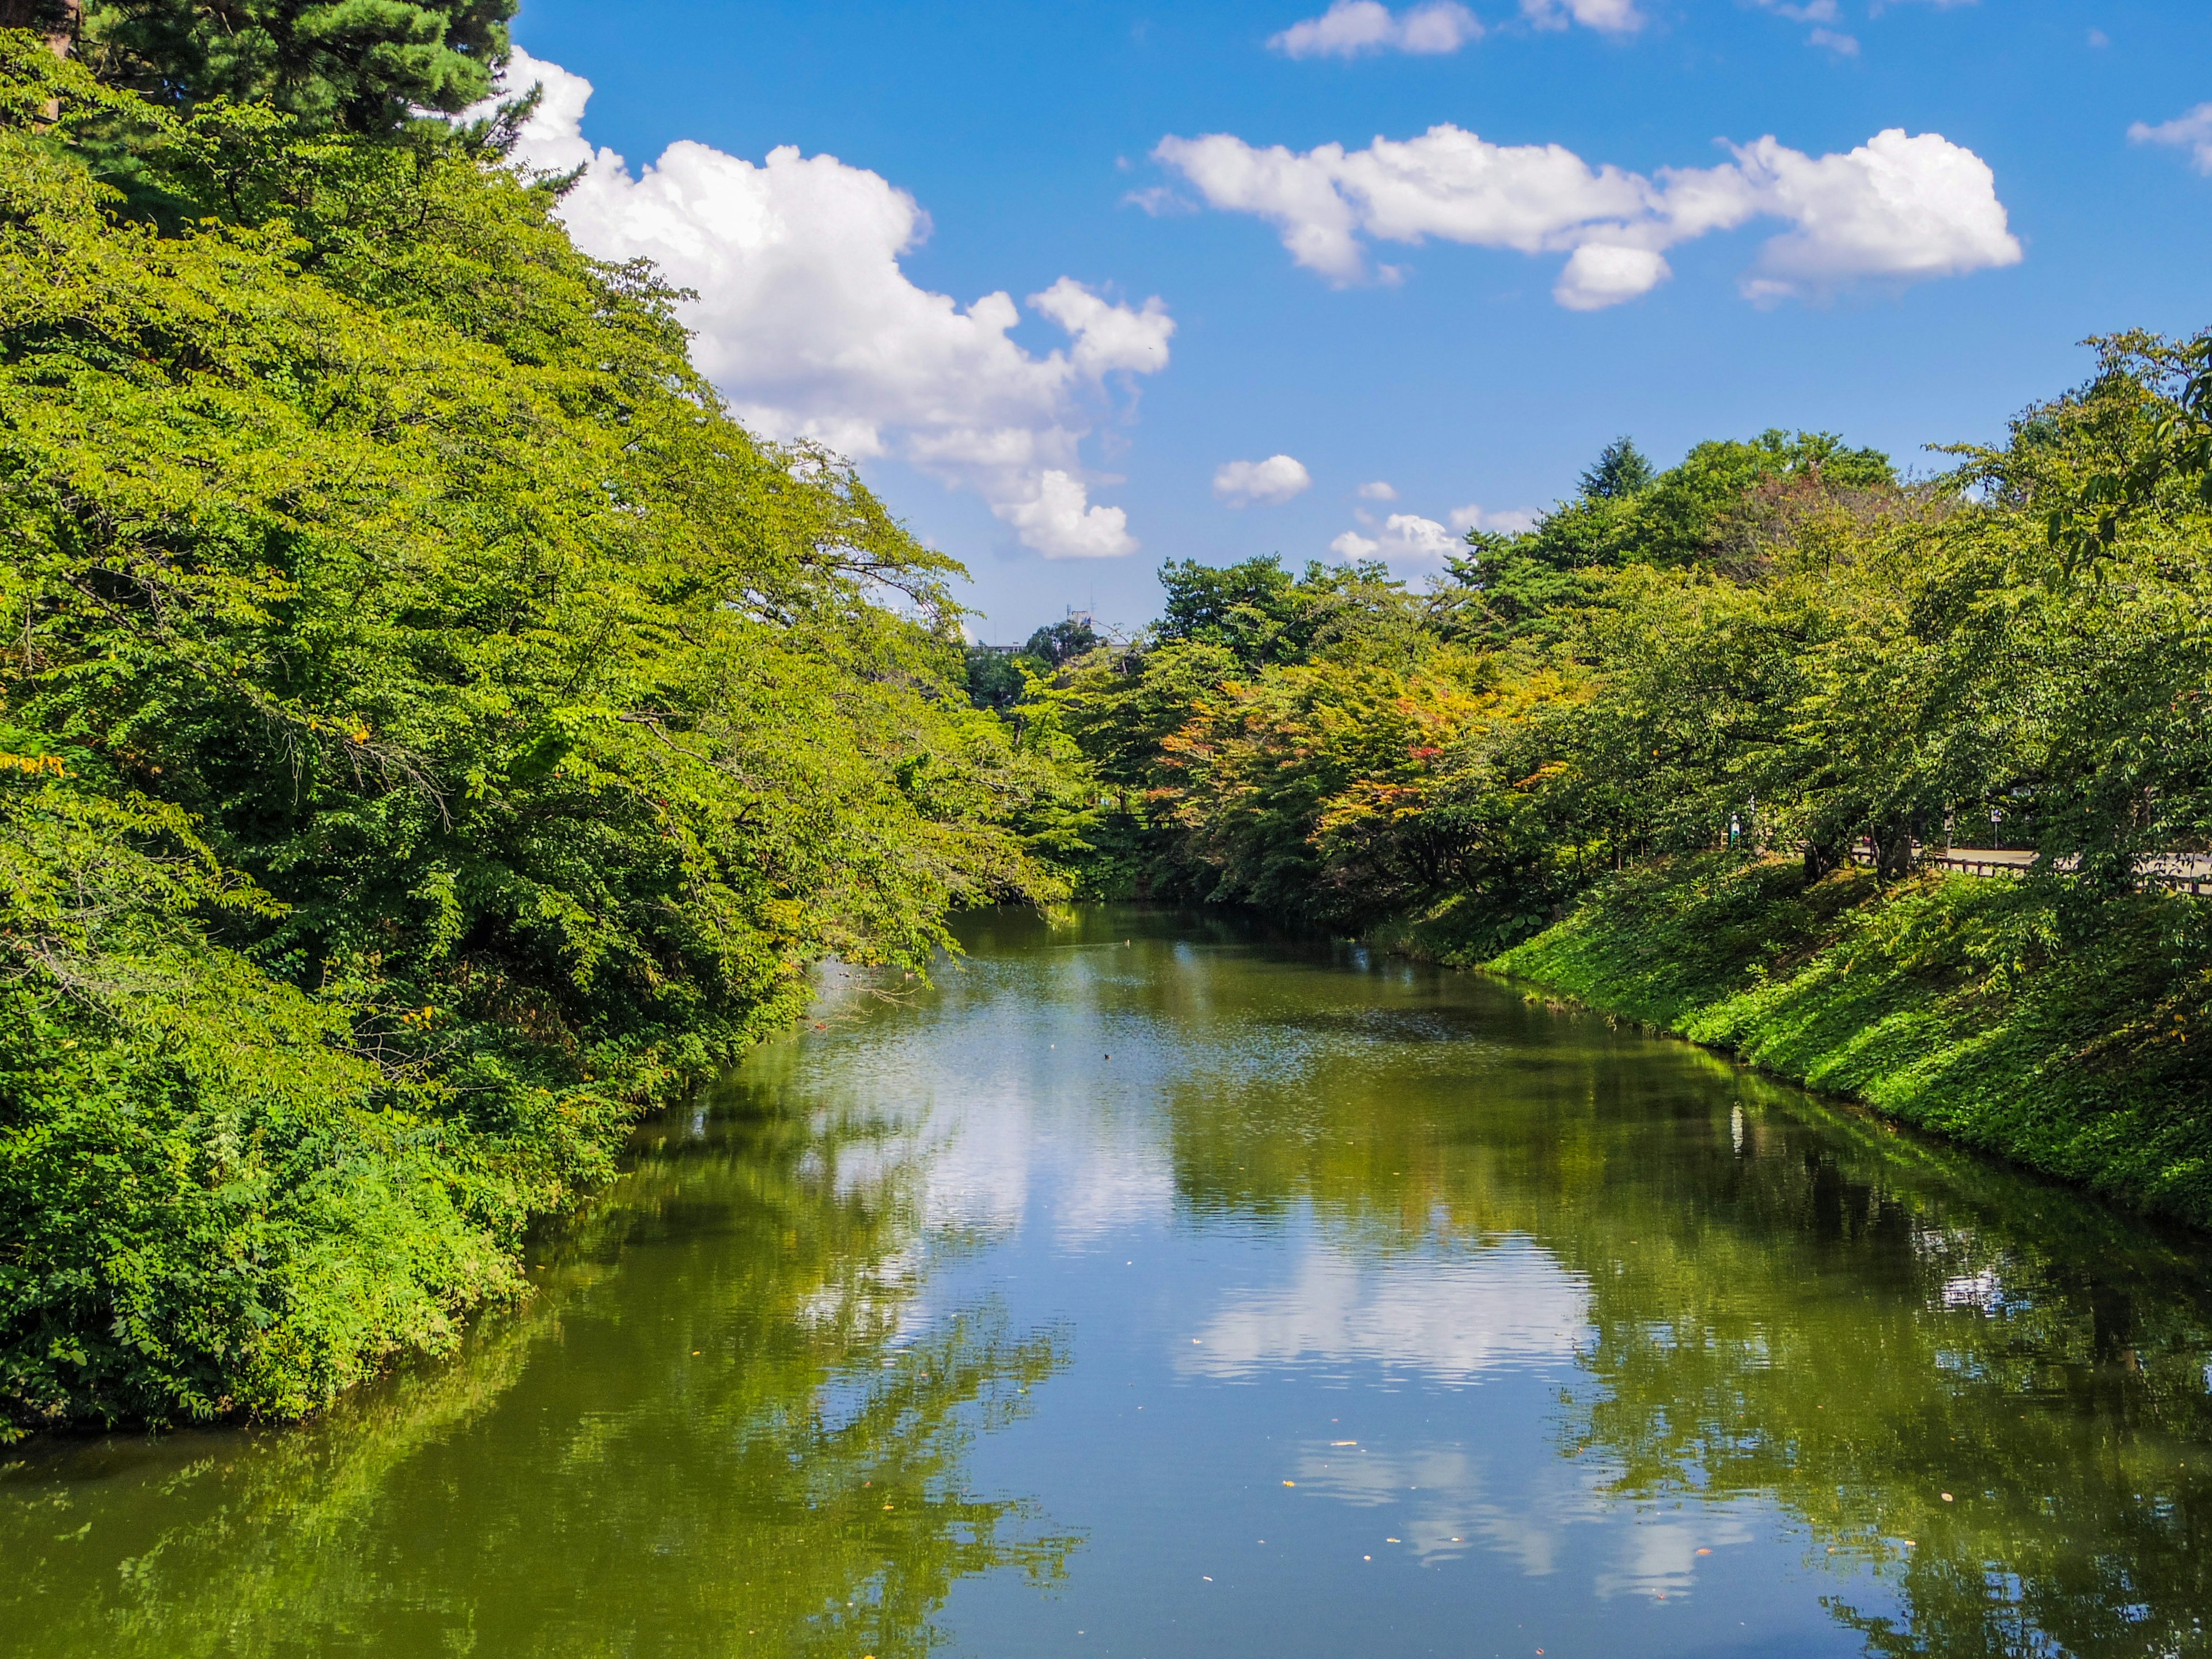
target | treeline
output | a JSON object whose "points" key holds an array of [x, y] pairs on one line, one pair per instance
{"points": [[1633, 755], [431, 729], [1777, 645]]}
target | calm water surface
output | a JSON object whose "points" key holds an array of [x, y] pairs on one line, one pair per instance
{"points": [[1153, 1287]]}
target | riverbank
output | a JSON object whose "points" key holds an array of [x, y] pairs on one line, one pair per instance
{"points": [[2068, 1037]]}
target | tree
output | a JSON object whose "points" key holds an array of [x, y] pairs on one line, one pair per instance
{"points": [[1620, 471], [1243, 606], [432, 732], [360, 66], [1057, 644], [995, 679]]}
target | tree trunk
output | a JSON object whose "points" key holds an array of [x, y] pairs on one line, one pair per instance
{"points": [[1821, 857], [1893, 850], [55, 19]]}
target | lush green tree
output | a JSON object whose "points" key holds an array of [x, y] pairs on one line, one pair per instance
{"points": [[435, 730], [1057, 644], [996, 678], [359, 66], [1241, 607], [1620, 470], [1773, 645]]}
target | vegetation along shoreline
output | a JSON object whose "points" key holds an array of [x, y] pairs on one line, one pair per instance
{"points": [[434, 732], [1948, 1008]]}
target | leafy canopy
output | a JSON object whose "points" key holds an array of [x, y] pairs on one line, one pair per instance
{"points": [[356, 66]]}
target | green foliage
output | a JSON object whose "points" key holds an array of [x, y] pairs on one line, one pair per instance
{"points": [[1620, 470], [2136, 440], [1974, 1007], [1772, 648], [996, 678], [1059, 643], [360, 66], [827, 1397], [1773, 644], [433, 731]]}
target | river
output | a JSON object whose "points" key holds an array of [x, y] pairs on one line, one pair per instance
{"points": [[1153, 1284]]}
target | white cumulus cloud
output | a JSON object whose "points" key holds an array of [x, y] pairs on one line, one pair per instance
{"points": [[806, 323], [1899, 208], [1608, 16], [1351, 27], [2191, 132], [1378, 490], [1511, 521], [1601, 274], [1275, 479], [1409, 536], [1406, 538]]}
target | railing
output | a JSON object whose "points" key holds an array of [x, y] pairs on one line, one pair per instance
{"points": [[1990, 862]]}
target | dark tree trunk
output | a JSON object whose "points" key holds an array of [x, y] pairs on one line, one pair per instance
{"points": [[1893, 850], [1822, 858]]}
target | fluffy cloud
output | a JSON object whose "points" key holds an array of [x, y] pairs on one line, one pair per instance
{"points": [[1275, 479], [1601, 274], [1378, 490], [1406, 538], [1897, 209], [1350, 28], [1608, 16], [807, 324], [1510, 522], [1407, 534], [2191, 132]]}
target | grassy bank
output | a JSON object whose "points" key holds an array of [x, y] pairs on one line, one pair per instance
{"points": [[2012, 1017]]}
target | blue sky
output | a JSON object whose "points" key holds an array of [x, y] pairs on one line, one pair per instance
{"points": [[1916, 292]]}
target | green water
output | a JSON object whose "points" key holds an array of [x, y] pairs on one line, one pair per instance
{"points": [[1153, 1287]]}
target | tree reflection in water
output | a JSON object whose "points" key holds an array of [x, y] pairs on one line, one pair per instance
{"points": [[755, 1448], [1728, 1314], [1793, 1302]]}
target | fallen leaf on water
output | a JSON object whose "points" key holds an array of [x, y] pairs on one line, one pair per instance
{"points": [[1705, 1551]]}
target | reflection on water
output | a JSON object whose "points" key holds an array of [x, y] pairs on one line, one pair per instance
{"points": [[1452, 1319], [1333, 1305], [717, 1429]]}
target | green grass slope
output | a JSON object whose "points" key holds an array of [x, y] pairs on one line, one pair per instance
{"points": [[2019, 1017]]}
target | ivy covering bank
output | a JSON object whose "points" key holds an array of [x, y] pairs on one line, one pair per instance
{"points": [[431, 732]]}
